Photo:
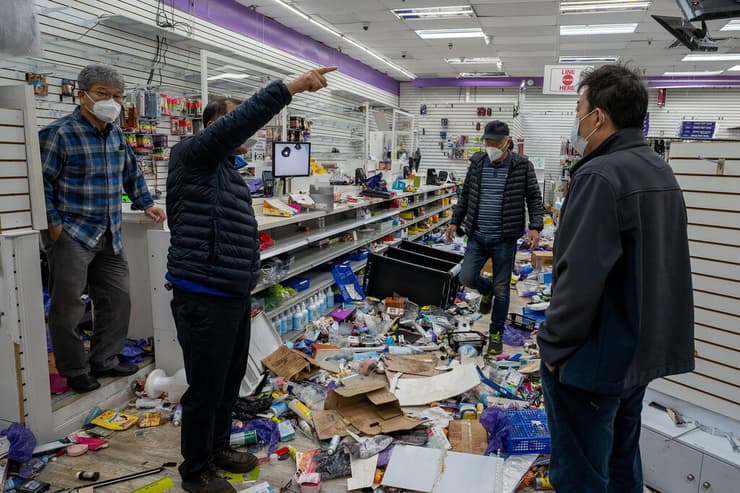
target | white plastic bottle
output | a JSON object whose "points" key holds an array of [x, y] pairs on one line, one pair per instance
{"points": [[329, 299], [276, 324], [283, 323], [312, 309], [304, 315], [296, 318], [322, 304]]}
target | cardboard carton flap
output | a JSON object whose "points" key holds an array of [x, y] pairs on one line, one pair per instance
{"points": [[359, 388], [289, 363], [329, 423], [381, 396]]}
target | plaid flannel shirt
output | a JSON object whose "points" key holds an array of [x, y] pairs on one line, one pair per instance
{"points": [[85, 171]]}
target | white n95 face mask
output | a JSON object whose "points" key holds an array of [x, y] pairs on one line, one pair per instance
{"points": [[494, 153], [106, 110], [580, 143]]}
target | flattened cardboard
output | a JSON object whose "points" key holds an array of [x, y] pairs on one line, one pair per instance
{"points": [[367, 406], [291, 364], [412, 365], [468, 436], [328, 424]]}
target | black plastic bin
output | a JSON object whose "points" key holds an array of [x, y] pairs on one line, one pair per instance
{"points": [[423, 279], [431, 252]]}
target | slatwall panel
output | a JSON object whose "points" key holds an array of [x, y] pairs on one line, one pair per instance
{"points": [[713, 203], [15, 199], [72, 40], [545, 119], [459, 107]]}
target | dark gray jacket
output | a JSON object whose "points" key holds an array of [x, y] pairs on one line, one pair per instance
{"points": [[214, 238], [521, 185], [622, 311]]}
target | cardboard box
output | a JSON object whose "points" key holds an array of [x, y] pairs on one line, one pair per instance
{"points": [[487, 268], [291, 364], [468, 436], [541, 260], [366, 407]]}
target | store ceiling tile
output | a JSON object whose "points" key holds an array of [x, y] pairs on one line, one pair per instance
{"points": [[514, 9], [525, 42], [529, 20]]}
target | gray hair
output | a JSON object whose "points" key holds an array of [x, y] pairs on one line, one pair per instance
{"points": [[99, 72]]}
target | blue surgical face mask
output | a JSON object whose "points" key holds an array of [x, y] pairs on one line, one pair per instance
{"points": [[580, 143]]}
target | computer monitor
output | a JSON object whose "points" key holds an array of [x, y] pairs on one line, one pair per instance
{"points": [[291, 159]]}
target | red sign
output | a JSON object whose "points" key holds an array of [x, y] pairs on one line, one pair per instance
{"points": [[568, 79]]}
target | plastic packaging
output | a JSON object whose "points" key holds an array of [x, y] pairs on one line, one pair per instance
{"points": [[22, 442], [312, 396], [371, 446], [498, 425]]}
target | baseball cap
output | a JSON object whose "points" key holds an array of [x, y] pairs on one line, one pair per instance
{"points": [[496, 130]]}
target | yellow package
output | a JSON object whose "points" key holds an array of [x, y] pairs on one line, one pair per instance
{"points": [[150, 419], [114, 420]]}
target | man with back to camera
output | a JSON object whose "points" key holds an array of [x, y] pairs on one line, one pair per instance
{"points": [[491, 210], [213, 266], [622, 311], [87, 162]]}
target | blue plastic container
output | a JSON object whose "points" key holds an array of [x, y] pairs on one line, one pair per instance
{"points": [[530, 433]]}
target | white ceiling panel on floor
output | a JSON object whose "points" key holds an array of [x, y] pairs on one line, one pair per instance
{"points": [[524, 33]]}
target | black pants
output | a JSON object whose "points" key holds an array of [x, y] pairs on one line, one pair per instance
{"points": [[595, 438], [214, 335]]}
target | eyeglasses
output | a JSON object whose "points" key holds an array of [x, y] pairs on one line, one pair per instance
{"points": [[102, 94]]}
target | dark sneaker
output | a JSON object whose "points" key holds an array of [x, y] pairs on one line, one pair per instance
{"points": [[116, 371], [83, 383], [232, 461], [208, 481], [495, 346], [485, 304]]}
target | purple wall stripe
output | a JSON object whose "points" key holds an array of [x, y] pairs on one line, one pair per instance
{"points": [[242, 19]]}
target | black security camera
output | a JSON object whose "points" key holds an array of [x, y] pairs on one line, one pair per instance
{"points": [[366, 26]]}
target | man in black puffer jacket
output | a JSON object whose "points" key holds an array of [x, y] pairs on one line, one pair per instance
{"points": [[491, 211], [213, 264]]}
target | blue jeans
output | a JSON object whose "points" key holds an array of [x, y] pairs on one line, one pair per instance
{"points": [[595, 438], [502, 254]]}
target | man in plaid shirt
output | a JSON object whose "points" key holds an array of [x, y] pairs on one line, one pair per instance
{"points": [[87, 163]]}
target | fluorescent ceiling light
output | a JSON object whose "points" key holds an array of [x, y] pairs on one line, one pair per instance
{"points": [[736, 68], [483, 74], [292, 9], [471, 60], [434, 13], [596, 6], [587, 59], [583, 29], [733, 25], [712, 57], [229, 75], [336, 33], [698, 73], [473, 32]]}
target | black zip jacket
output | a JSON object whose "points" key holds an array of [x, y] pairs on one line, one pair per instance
{"points": [[521, 186], [622, 311], [214, 238]]}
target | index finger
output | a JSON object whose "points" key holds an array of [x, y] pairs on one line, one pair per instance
{"points": [[325, 70]]}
